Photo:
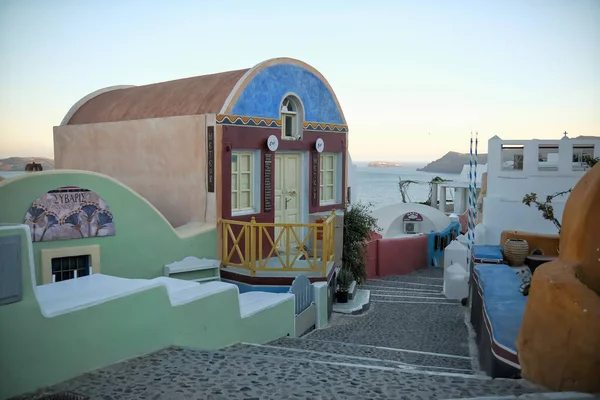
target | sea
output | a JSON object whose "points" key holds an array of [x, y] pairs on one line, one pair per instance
{"points": [[379, 185], [376, 185]]}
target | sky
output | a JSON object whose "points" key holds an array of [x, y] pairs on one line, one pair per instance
{"points": [[414, 78]]}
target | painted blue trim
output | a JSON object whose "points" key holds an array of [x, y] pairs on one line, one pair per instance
{"points": [[436, 257], [262, 96], [244, 287]]}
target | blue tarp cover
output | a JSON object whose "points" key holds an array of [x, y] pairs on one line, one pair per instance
{"points": [[487, 252], [503, 302]]}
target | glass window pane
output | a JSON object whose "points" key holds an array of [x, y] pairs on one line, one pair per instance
{"points": [[245, 181], [234, 201], [330, 162], [234, 182], [245, 200], [329, 178], [245, 162], [289, 125], [329, 193]]}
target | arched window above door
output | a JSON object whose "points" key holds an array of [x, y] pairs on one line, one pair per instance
{"points": [[292, 114]]}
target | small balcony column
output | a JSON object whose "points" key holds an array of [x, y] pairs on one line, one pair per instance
{"points": [[458, 201], [434, 195], [442, 198]]}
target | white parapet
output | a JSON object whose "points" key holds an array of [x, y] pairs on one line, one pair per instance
{"points": [[456, 282], [455, 253]]}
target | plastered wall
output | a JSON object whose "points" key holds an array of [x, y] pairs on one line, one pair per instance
{"points": [[163, 159]]}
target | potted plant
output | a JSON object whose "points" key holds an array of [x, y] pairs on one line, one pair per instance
{"points": [[344, 280], [358, 226]]}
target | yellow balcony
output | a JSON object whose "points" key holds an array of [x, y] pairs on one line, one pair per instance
{"points": [[272, 247]]}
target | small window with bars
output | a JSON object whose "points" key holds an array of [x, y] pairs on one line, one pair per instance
{"points": [[64, 268]]}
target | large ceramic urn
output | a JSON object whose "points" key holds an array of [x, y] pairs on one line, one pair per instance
{"points": [[516, 251]]}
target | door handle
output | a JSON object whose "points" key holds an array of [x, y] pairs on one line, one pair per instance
{"points": [[286, 202]]}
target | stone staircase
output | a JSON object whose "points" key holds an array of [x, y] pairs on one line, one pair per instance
{"points": [[411, 344]]}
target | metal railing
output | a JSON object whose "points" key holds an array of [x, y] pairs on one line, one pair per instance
{"points": [[252, 245]]}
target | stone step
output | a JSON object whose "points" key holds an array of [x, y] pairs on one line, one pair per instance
{"points": [[277, 376], [395, 285], [324, 356], [359, 303], [352, 290], [412, 299], [409, 278], [407, 289], [417, 359]]}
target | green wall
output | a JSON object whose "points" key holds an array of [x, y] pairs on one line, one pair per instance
{"points": [[144, 240], [36, 351]]}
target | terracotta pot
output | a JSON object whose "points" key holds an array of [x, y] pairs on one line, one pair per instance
{"points": [[516, 251]]}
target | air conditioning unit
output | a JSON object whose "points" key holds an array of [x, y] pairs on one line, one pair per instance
{"points": [[410, 227]]}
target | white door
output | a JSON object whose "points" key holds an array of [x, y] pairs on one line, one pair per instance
{"points": [[287, 194]]}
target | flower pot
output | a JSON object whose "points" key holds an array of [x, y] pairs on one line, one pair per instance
{"points": [[516, 251], [341, 297]]}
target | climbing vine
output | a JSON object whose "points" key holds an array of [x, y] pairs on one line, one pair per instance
{"points": [[546, 206]]}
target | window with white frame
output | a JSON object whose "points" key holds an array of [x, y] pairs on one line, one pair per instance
{"points": [[291, 118], [328, 178], [242, 193]]}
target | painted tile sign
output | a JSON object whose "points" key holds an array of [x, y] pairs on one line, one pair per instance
{"points": [[69, 212], [412, 217]]}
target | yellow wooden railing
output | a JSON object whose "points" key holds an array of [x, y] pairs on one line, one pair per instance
{"points": [[251, 245]]}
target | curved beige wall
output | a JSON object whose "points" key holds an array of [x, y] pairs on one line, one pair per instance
{"points": [[559, 340], [163, 159]]}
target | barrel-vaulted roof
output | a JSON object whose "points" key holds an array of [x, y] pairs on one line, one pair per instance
{"points": [[254, 92]]}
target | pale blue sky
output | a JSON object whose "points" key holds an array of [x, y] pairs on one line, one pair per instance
{"points": [[401, 69]]}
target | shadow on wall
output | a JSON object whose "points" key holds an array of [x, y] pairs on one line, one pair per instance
{"points": [[559, 339]]}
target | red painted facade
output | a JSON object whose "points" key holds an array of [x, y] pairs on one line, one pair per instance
{"points": [[255, 138]]}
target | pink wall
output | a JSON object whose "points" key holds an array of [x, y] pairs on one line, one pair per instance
{"points": [[399, 256], [371, 258]]}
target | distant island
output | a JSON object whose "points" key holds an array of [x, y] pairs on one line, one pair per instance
{"points": [[380, 164], [451, 163], [19, 163]]}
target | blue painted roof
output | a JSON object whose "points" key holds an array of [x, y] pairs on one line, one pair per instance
{"points": [[263, 95]]}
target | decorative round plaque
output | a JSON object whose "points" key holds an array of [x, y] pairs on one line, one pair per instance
{"points": [[320, 145], [272, 143]]}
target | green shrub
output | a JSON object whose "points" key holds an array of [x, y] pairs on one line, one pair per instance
{"points": [[358, 225]]}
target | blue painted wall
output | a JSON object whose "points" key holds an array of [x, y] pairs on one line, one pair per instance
{"points": [[436, 257], [258, 288], [263, 95]]}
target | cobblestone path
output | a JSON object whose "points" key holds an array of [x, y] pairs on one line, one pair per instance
{"points": [[411, 344]]}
